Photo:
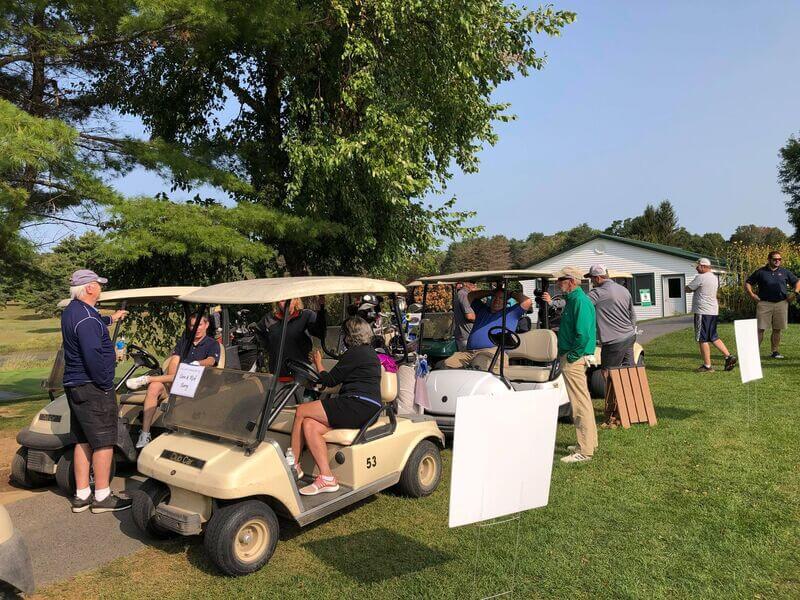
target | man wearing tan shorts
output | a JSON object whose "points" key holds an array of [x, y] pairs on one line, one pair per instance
{"points": [[776, 287]]}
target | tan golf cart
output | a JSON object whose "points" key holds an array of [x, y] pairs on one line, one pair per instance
{"points": [[47, 444], [16, 573], [221, 469]]}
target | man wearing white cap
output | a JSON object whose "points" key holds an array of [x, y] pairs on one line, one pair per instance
{"points": [[616, 319], [89, 364], [706, 313], [576, 341]]}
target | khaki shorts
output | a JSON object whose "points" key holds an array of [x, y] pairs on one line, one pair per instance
{"points": [[772, 315]]}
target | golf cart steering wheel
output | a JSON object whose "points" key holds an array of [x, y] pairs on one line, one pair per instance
{"points": [[303, 370], [511, 342], [143, 358]]}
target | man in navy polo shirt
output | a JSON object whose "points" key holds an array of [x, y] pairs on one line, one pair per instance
{"points": [[89, 365], [773, 296], [480, 350], [202, 351]]}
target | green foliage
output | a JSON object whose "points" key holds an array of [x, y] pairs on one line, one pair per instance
{"points": [[789, 178], [755, 235], [344, 112]]}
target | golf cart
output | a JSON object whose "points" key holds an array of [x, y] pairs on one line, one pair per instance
{"points": [[532, 355], [47, 444], [221, 470], [16, 572]]}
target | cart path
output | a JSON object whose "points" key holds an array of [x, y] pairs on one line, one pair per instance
{"points": [[658, 327], [63, 544]]}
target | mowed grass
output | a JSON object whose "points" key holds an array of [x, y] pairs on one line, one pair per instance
{"points": [[704, 505], [24, 331]]}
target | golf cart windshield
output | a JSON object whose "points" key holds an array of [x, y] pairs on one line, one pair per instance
{"points": [[226, 404], [438, 326]]}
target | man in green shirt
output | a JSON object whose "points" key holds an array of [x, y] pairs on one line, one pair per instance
{"points": [[576, 340]]}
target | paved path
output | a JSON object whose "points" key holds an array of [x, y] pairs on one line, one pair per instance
{"points": [[658, 327], [53, 533], [63, 544]]}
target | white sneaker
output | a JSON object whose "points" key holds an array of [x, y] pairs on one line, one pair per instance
{"points": [[134, 383], [575, 457], [144, 439]]}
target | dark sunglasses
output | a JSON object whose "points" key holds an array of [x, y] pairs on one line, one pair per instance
{"points": [[776, 259]]}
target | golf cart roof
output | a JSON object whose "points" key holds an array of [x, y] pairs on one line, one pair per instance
{"points": [[140, 295], [476, 276], [262, 291], [612, 274]]}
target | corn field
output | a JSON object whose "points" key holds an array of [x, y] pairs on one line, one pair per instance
{"points": [[743, 260]]}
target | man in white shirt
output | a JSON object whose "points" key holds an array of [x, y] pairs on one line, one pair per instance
{"points": [[706, 314]]}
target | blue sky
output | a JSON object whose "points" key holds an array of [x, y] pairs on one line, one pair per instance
{"points": [[639, 102]]}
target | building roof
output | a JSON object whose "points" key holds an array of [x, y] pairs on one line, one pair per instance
{"points": [[672, 250]]}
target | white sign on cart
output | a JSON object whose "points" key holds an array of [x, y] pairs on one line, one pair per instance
{"points": [[503, 448]]}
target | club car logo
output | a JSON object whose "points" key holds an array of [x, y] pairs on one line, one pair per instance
{"points": [[189, 461], [51, 418]]}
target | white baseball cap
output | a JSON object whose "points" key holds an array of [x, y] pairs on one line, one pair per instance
{"points": [[597, 270], [705, 262]]}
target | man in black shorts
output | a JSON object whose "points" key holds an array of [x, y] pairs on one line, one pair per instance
{"points": [[616, 319], [706, 314], [89, 364]]}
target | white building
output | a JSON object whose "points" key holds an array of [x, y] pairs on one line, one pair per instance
{"points": [[660, 272]]}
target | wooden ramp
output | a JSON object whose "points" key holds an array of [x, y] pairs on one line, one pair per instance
{"points": [[628, 398]]}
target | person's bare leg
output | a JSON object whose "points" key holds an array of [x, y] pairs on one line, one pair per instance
{"points": [[101, 462], [760, 336], [154, 392], [313, 432], [705, 353], [81, 459], [775, 340], [720, 345], [311, 410]]}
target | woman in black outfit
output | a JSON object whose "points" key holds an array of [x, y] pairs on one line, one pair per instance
{"points": [[359, 373]]}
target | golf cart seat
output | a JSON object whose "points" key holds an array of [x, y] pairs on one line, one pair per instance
{"points": [[536, 358], [379, 426]]}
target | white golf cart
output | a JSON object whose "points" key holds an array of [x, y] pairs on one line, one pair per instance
{"points": [[532, 355], [47, 444], [221, 469], [16, 573]]}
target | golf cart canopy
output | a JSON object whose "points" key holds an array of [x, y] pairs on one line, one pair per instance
{"points": [[141, 295], [262, 291], [478, 276]]}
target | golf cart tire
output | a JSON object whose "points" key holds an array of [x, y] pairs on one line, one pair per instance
{"points": [[423, 471], [65, 475], [224, 531], [145, 500], [597, 383], [640, 360], [22, 475]]}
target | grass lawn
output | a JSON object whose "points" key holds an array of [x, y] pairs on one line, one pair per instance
{"points": [[705, 505], [24, 331]]}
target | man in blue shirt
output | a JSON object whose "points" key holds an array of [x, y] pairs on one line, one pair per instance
{"points": [[480, 350], [773, 297], [89, 364], [202, 351]]}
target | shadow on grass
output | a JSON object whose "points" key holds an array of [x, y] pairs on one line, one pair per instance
{"points": [[376, 555], [674, 413], [31, 317], [45, 330]]}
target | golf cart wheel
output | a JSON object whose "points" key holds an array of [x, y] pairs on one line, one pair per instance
{"points": [[640, 360], [65, 475], [145, 500], [241, 538], [22, 475], [597, 383], [422, 472]]}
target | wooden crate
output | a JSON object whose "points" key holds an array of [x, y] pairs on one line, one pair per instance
{"points": [[628, 397]]}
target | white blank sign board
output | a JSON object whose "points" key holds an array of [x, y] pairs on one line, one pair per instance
{"points": [[748, 349], [502, 454]]}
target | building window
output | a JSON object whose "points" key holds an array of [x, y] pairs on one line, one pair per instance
{"points": [[644, 289], [675, 290]]}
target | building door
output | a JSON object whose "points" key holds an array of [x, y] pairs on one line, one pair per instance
{"points": [[672, 288]]}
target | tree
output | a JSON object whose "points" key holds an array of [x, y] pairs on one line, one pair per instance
{"points": [[789, 178], [755, 235], [345, 112], [478, 254]]}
